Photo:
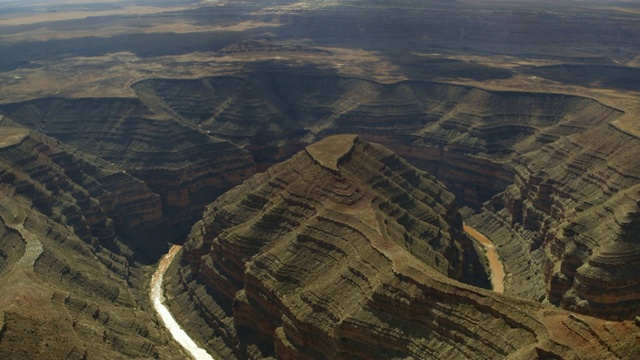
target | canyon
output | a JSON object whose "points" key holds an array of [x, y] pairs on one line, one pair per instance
{"points": [[157, 298], [326, 256], [319, 162]]}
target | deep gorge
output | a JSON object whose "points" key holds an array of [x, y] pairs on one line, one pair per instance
{"points": [[317, 163], [517, 159], [531, 171]]}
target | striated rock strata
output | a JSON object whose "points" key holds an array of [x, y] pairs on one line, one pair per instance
{"points": [[184, 165], [71, 232], [550, 177], [574, 205], [546, 173], [462, 135], [346, 251]]}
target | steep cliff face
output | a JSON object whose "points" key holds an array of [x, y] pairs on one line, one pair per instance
{"points": [[71, 233], [185, 166], [304, 261], [346, 251], [575, 203], [416, 205], [70, 188], [536, 160], [535, 167], [462, 135]]}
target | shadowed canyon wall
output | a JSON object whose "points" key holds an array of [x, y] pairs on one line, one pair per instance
{"points": [[71, 230], [538, 168], [541, 160], [93, 184], [185, 166], [446, 129]]}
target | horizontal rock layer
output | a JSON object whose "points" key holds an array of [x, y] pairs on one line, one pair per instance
{"points": [[577, 203], [71, 233], [184, 165], [539, 159], [342, 252], [562, 200], [436, 126], [479, 143]]}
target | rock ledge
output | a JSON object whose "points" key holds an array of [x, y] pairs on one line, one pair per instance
{"points": [[329, 151]]}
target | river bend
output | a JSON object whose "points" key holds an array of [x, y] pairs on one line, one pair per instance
{"points": [[157, 298]]}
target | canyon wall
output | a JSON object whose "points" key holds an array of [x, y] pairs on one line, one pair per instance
{"points": [[94, 183], [529, 164], [537, 169], [576, 204], [341, 252], [455, 132], [185, 166], [71, 233]]}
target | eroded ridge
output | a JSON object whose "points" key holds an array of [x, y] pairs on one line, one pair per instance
{"points": [[362, 262], [70, 287], [553, 176], [184, 165]]}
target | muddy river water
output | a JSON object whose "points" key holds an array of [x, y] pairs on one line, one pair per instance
{"points": [[157, 298], [497, 270]]}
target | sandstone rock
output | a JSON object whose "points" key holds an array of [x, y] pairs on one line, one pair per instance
{"points": [[528, 163], [184, 165], [346, 251], [464, 136], [553, 179], [71, 287], [518, 159]]}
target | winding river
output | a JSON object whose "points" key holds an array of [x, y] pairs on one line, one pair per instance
{"points": [[497, 269], [157, 298]]}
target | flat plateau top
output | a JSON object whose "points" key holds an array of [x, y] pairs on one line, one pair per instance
{"points": [[328, 151], [12, 135]]}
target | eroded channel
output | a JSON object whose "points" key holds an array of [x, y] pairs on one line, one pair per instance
{"points": [[157, 298]]}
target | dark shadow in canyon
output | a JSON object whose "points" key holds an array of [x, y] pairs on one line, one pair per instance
{"points": [[592, 76], [272, 109]]}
